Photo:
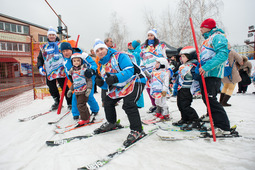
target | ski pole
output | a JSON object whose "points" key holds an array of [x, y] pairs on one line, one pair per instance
{"points": [[64, 87], [203, 81]]}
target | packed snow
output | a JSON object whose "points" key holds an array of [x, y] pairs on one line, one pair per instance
{"points": [[22, 144]]}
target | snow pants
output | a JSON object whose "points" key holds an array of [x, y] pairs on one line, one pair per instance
{"points": [[161, 102], [82, 106], [184, 100], [219, 115], [94, 107], [129, 106], [53, 89]]}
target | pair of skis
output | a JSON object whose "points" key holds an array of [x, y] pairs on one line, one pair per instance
{"points": [[41, 114]]}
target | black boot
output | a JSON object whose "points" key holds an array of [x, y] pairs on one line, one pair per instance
{"points": [[225, 100], [55, 105], [221, 97]]}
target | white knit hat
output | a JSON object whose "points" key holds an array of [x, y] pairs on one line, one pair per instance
{"points": [[99, 44], [153, 31], [51, 31]]}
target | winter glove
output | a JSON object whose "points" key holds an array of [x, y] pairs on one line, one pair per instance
{"points": [[42, 71], [111, 79], [99, 81], [87, 92], [69, 93], [163, 93], [84, 55], [89, 73]]}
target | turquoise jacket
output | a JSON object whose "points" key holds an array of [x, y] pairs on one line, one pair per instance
{"points": [[214, 53]]}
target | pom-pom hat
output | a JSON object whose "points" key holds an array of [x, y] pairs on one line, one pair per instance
{"points": [[99, 44], [51, 31], [153, 31]]}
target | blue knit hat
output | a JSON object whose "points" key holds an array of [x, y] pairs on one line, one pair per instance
{"points": [[65, 46], [99, 44], [135, 44], [51, 31], [153, 31]]}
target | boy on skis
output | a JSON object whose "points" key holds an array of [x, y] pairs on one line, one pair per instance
{"points": [[189, 116], [67, 50], [81, 86], [124, 80]]}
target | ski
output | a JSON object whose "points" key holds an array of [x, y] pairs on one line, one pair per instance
{"points": [[34, 116], [75, 138], [50, 123], [204, 135], [76, 126], [109, 157]]}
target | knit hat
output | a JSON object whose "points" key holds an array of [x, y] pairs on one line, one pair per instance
{"points": [[65, 46], [51, 31], [154, 32], [99, 44], [208, 23], [135, 44], [189, 52]]}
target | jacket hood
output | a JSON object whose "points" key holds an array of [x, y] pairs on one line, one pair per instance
{"points": [[107, 57], [207, 34]]}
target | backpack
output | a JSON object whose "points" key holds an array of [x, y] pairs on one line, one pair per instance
{"points": [[228, 70]]}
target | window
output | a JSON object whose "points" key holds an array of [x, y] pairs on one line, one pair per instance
{"points": [[1, 26], [27, 47], [26, 29], [19, 28], [3, 46], [13, 28], [7, 27], [42, 38], [9, 46], [15, 47], [20, 47]]}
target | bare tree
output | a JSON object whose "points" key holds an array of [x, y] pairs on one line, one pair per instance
{"points": [[118, 32], [175, 29]]}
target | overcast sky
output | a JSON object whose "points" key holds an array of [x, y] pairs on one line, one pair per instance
{"points": [[91, 18]]}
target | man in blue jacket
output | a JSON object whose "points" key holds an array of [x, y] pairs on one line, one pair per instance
{"points": [[67, 51], [214, 54], [124, 80]]}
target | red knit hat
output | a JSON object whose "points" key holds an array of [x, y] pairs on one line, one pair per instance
{"points": [[208, 23]]}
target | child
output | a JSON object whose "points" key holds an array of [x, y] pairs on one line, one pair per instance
{"points": [[189, 116], [82, 87], [150, 51], [160, 88]]}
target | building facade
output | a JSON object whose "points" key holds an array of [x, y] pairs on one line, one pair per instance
{"points": [[245, 50], [19, 46]]}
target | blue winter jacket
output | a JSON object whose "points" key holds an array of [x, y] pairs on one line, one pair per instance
{"points": [[124, 62], [218, 46]]}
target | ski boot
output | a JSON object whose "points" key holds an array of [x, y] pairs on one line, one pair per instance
{"points": [[133, 137], [152, 109], [55, 105], [205, 118], [82, 122], [179, 123], [76, 118], [93, 116], [107, 126], [195, 124]]}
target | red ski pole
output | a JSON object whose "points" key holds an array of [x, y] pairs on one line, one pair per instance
{"points": [[64, 87], [203, 81]]}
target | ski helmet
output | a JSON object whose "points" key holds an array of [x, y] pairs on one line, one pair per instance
{"points": [[189, 52], [163, 62]]}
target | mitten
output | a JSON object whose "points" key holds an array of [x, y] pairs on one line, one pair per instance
{"points": [[42, 71], [87, 92], [89, 73], [111, 79], [99, 81]]}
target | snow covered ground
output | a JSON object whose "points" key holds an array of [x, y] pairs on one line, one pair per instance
{"points": [[22, 144]]}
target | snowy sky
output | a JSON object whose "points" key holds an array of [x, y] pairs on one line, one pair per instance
{"points": [[91, 19]]}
